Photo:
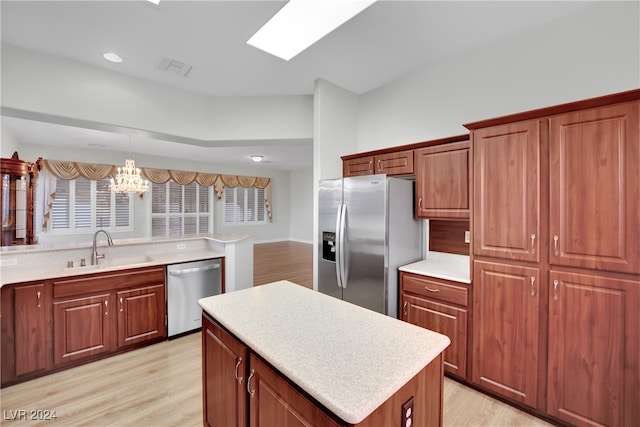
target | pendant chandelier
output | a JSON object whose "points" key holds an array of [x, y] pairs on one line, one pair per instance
{"points": [[128, 179]]}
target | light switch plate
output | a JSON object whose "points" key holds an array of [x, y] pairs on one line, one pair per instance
{"points": [[467, 236]]}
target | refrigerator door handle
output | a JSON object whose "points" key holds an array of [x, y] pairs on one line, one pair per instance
{"points": [[338, 239], [344, 250]]}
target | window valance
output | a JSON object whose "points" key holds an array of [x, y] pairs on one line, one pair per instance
{"points": [[73, 170]]}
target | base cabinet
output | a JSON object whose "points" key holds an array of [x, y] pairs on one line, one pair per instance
{"points": [[593, 375], [141, 314], [439, 306], [274, 402], [241, 389], [505, 330], [26, 330], [59, 323], [83, 327]]}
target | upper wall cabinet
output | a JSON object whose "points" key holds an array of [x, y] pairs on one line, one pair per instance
{"points": [[580, 169], [506, 216], [395, 163], [594, 176], [442, 181]]}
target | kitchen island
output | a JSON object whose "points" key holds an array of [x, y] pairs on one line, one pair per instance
{"points": [[281, 353]]}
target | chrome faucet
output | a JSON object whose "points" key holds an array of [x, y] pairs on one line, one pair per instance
{"points": [[95, 256]]}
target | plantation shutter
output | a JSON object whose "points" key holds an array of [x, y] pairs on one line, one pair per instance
{"points": [[82, 203], [103, 204], [60, 208]]}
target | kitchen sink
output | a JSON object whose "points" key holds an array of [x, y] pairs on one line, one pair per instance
{"points": [[124, 262]]}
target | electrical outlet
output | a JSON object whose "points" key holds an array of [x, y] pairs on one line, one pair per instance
{"points": [[181, 246], [8, 262], [467, 236], [407, 414]]}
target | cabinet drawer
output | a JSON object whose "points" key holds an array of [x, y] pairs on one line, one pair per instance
{"points": [[101, 282], [434, 289]]}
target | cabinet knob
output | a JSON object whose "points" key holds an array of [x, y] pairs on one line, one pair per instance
{"points": [[121, 304], [38, 294], [555, 245], [555, 290], [379, 165], [251, 392], [404, 308], [426, 288], [106, 307]]}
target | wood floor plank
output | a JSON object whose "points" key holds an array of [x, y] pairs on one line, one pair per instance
{"points": [[288, 260]]}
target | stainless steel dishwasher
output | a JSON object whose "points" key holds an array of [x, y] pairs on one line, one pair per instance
{"points": [[186, 284]]}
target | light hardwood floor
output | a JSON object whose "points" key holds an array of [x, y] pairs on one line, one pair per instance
{"points": [[160, 385], [283, 261]]}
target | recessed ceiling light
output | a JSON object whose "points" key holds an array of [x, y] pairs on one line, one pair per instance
{"points": [[156, 2], [301, 23], [256, 157], [113, 57]]}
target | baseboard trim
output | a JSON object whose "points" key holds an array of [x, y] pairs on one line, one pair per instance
{"points": [[257, 242]]}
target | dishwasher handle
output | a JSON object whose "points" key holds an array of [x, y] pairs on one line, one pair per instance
{"points": [[194, 270]]}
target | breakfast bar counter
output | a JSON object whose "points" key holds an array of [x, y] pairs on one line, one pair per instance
{"points": [[351, 361]]}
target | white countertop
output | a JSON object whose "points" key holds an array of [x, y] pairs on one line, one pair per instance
{"points": [[348, 358], [42, 262], [17, 275], [452, 267]]}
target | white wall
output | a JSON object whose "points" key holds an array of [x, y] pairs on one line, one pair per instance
{"points": [[591, 53], [334, 135], [301, 205], [9, 144], [36, 82]]}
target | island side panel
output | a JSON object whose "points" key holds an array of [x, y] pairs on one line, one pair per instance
{"points": [[426, 388]]}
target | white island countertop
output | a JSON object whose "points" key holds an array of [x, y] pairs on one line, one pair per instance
{"points": [[348, 358]]}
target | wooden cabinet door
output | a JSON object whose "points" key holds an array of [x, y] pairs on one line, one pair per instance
{"points": [[593, 376], [32, 332], [398, 163], [442, 181], [507, 187], [594, 164], [357, 167], [224, 374], [445, 319], [141, 314], [505, 330], [274, 402], [82, 327]]}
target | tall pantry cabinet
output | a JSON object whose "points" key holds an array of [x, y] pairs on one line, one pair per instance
{"points": [[556, 259]]}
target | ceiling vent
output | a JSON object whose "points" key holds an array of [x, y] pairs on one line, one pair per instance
{"points": [[175, 67]]}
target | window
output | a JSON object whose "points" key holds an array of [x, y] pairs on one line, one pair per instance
{"points": [[87, 205], [244, 205], [181, 209]]}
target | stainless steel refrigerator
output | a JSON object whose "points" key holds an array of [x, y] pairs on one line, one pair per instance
{"points": [[366, 230]]}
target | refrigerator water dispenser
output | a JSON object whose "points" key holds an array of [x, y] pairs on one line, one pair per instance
{"points": [[329, 246]]}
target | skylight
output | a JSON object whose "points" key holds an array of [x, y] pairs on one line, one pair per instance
{"points": [[301, 23]]}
